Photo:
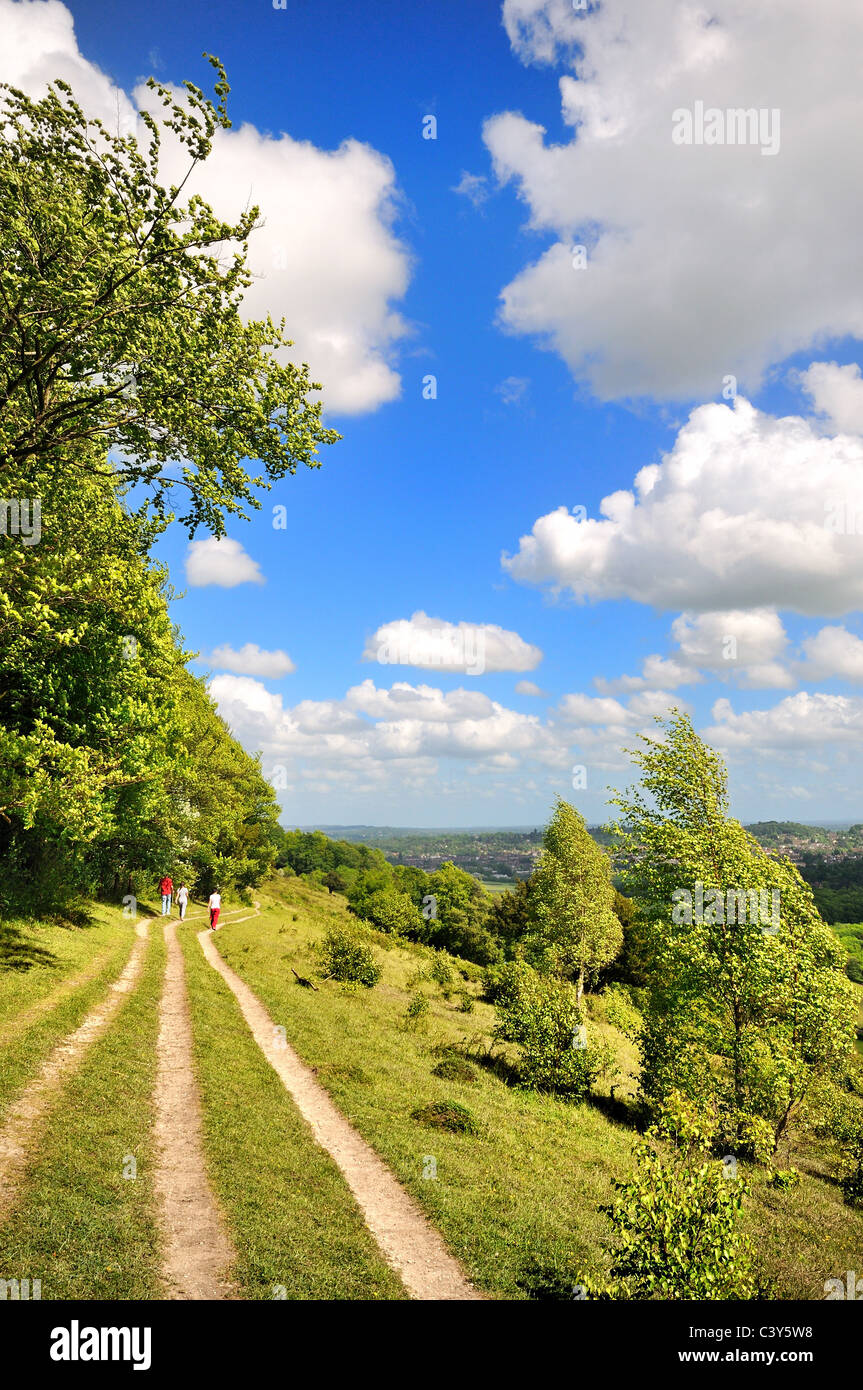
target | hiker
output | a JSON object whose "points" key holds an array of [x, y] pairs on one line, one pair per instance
{"points": [[214, 904], [166, 888], [183, 900]]}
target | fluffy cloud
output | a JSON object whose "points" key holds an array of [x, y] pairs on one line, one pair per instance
{"points": [[746, 511], [326, 255], [252, 660], [812, 721], [832, 652], [418, 724], [433, 643], [837, 394], [667, 226], [528, 688], [221, 562]]}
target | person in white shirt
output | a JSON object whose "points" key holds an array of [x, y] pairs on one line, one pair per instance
{"points": [[214, 904], [183, 900]]}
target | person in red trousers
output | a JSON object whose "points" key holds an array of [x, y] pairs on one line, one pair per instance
{"points": [[215, 906]]}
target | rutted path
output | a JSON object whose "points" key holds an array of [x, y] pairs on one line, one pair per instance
{"points": [[198, 1250], [408, 1242], [26, 1115]]}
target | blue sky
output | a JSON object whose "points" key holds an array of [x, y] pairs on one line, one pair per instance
{"points": [[702, 264]]}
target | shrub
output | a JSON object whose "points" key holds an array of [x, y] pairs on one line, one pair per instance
{"points": [[452, 1067], [466, 1002], [676, 1220], [542, 1015], [783, 1178], [345, 958], [441, 973], [446, 1114], [417, 1012], [620, 1010]]}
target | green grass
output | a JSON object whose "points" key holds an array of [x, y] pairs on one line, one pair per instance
{"points": [[80, 1226], [290, 1214], [41, 1004], [517, 1203]]}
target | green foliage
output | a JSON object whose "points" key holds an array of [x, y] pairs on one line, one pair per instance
{"points": [[542, 1015], [620, 1011], [676, 1221], [122, 321], [416, 1015], [783, 1179], [751, 1015], [446, 1114], [442, 973], [461, 909], [574, 930], [389, 911], [348, 959], [509, 918]]}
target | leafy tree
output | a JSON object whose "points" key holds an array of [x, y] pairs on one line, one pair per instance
{"points": [[333, 882], [509, 918], [461, 907], [390, 911], [575, 930], [750, 1011], [412, 880], [119, 314]]}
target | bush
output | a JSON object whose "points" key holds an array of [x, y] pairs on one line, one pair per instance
{"points": [[783, 1178], [345, 958], [441, 973], [677, 1220], [446, 1114], [620, 1011], [542, 1015], [466, 1002], [416, 1014]]}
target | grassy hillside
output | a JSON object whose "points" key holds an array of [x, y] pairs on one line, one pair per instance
{"points": [[517, 1202]]}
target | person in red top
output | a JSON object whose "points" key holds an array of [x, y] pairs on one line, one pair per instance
{"points": [[166, 888]]}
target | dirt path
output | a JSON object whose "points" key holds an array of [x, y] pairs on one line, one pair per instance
{"points": [[408, 1242], [198, 1250], [26, 1115]]}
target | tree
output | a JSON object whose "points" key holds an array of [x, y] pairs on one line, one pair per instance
{"points": [[333, 882], [390, 910], [119, 315], [459, 907], [747, 1001], [510, 917], [575, 930]]}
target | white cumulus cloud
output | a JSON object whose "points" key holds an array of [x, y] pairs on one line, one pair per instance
{"points": [[745, 511], [666, 226], [252, 660], [221, 562], [434, 643]]}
